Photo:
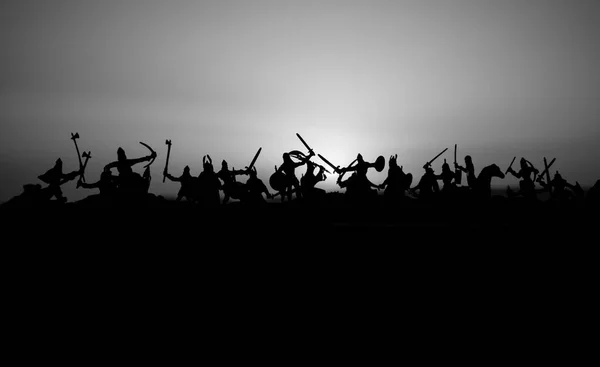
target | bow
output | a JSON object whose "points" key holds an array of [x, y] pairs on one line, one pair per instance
{"points": [[152, 153]]}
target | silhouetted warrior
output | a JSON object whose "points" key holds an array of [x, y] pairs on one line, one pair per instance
{"points": [[188, 184], [469, 169], [290, 181], [231, 188], [447, 177], [309, 180], [428, 185], [55, 177], [34, 195], [396, 182], [527, 184], [560, 189], [255, 188], [209, 184], [107, 183], [358, 185], [128, 181]]}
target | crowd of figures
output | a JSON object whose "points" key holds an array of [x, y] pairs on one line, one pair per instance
{"points": [[213, 188]]}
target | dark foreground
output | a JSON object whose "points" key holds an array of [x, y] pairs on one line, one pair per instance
{"points": [[500, 265], [502, 237], [410, 222]]}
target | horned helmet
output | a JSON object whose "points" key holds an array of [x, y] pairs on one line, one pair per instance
{"points": [[393, 161], [207, 164]]}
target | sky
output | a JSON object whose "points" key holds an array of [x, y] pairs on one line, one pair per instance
{"points": [[225, 78]]}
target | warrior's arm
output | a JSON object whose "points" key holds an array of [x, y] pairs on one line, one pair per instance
{"points": [[238, 172], [516, 174], [69, 176], [132, 162], [458, 167], [349, 169], [172, 178], [111, 165]]}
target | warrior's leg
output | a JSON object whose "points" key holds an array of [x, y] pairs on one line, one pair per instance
{"points": [[298, 191]]}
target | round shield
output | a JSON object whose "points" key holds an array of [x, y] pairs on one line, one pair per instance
{"points": [[277, 181], [379, 163]]}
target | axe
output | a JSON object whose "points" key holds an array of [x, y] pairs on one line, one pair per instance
{"points": [[168, 142], [74, 137], [87, 156]]}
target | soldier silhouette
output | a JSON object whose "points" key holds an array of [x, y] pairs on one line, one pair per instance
{"points": [[447, 177], [107, 184], [469, 170], [128, 181], [230, 187], [255, 188], [309, 180], [290, 182], [428, 186], [55, 178], [188, 184], [560, 189], [397, 182], [358, 186], [526, 184], [208, 184]]}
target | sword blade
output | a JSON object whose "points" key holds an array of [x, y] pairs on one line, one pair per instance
{"points": [[303, 142], [510, 165], [335, 169], [254, 159], [455, 146], [547, 166], [436, 157]]}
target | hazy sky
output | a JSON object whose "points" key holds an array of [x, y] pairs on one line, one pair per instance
{"points": [[499, 78]]}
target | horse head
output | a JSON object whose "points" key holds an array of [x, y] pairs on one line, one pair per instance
{"points": [[484, 180], [495, 171]]}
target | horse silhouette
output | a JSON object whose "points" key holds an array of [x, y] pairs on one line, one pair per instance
{"points": [[482, 188]]}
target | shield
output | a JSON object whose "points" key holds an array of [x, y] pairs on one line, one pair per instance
{"points": [[277, 181]]}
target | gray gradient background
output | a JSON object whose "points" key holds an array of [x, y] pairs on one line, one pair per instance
{"points": [[499, 78]]}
